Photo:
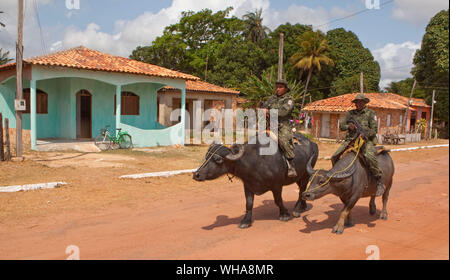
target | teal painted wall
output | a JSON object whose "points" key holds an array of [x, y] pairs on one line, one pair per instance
{"points": [[60, 122], [7, 94], [62, 85]]}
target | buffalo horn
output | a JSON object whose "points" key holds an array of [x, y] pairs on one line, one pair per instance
{"points": [[309, 167], [238, 155], [341, 175]]}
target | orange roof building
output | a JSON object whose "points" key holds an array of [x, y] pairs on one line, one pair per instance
{"points": [[390, 110], [74, 93]]}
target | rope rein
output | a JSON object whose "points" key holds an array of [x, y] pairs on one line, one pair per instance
{"points": [[210, 155], [359, 142]]}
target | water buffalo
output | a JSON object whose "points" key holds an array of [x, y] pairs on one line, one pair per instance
{"points": [[350, 181], [260, 173]]}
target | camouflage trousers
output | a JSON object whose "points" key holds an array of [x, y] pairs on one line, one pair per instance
{"points": [[285, 140], [369, 153]]}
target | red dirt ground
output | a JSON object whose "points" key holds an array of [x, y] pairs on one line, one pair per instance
{"points": [[200, 222]]}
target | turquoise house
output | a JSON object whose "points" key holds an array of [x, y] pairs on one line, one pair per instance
{"points": [[74, 93]]}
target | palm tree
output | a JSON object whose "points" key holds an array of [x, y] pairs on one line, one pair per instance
{"points": [[256, 31], [256, 90], [312, 53], [4, 57]]}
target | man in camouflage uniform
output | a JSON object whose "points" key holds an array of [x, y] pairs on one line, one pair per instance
{"points": [[367, 120], [285, 104]]}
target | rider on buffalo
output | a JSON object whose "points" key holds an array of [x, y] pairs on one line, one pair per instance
{"points": [[366, 118], [284, 103]]}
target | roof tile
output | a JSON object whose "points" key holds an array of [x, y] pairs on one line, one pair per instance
{"points": [[84, 58], [343, 103]]}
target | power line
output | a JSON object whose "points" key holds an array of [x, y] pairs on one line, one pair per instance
{"points": [[353, 14], [43, 46]]}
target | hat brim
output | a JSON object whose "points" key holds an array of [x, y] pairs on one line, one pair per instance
{"points": [[366, 100]]}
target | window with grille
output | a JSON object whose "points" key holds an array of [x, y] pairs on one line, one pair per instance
{"points": [[41, 101], [129, 103]]}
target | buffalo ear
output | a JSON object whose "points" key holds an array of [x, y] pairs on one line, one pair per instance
{"points": [[235, 154]]}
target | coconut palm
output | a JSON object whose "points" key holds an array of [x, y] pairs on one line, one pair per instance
{"points": [[256, 31], [256, 90], [312, 53], [4, 57]]}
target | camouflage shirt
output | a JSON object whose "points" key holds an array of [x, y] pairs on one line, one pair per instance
{"points": [[284, 104], [366, 119]]}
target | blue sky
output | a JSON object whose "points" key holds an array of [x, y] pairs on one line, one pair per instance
{"points": [[392, 33]]}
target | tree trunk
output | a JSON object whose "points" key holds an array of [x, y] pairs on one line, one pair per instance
{"points": [[306, 86]]}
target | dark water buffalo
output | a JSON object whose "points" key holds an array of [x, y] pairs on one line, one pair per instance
{"points": [[354, 182], [260, 173]]}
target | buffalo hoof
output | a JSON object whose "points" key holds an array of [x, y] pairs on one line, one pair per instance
{"points": [[337, 230], [285, 217], [245, 225], [349, 224], [383, 216], [297, 214]]}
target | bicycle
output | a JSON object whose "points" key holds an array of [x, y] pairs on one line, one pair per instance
{"points": [[105, 140]]}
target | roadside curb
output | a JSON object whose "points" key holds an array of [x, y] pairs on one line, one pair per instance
{"points": [[402, 149], [32, 187], [157, 174]]}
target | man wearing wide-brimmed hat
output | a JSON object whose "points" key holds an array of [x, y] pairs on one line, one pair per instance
{"points": [[284, 103], [367, 120]]}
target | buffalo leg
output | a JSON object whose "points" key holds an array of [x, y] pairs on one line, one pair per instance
{"points": [[284, 213], [349, 219], [339, 227], [372, 206], [384, 214], [300, 206], [247, 220]]}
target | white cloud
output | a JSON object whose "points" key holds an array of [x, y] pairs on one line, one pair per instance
{"points": [[395, 61], [129, 34], [418, 12], [32, 35]]}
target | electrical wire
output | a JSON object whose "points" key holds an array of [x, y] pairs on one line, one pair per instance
{"points": [[353, 14]]}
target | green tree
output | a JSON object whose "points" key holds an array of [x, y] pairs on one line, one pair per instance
{"points": [[256, 31], [351, 58], [4, 57], [312, 53], [208, 45], [431, 64], [271, 45], [404, 88]]}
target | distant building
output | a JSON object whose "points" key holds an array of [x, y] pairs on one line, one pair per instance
{"points": [[208, 96], [389, 108]]}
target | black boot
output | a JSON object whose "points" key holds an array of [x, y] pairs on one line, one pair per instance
{"points": [[380, 187], [291, 169]]}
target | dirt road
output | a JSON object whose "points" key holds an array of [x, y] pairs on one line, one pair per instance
{"points": [[199, 221]]}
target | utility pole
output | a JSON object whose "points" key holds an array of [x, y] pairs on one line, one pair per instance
{"points": [[407, 107], [430, 127], [280, 57], [361, 82], [19, 90]]}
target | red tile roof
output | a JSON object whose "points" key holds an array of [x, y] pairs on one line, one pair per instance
{"points": [[343, 103], [200, 86], [84, 58]]}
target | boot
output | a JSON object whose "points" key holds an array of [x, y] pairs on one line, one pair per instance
{"points": [[291, 169], [380, 187]]}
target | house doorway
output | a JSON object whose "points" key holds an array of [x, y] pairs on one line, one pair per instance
{"points": [[84, 114], [325, 127]]}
